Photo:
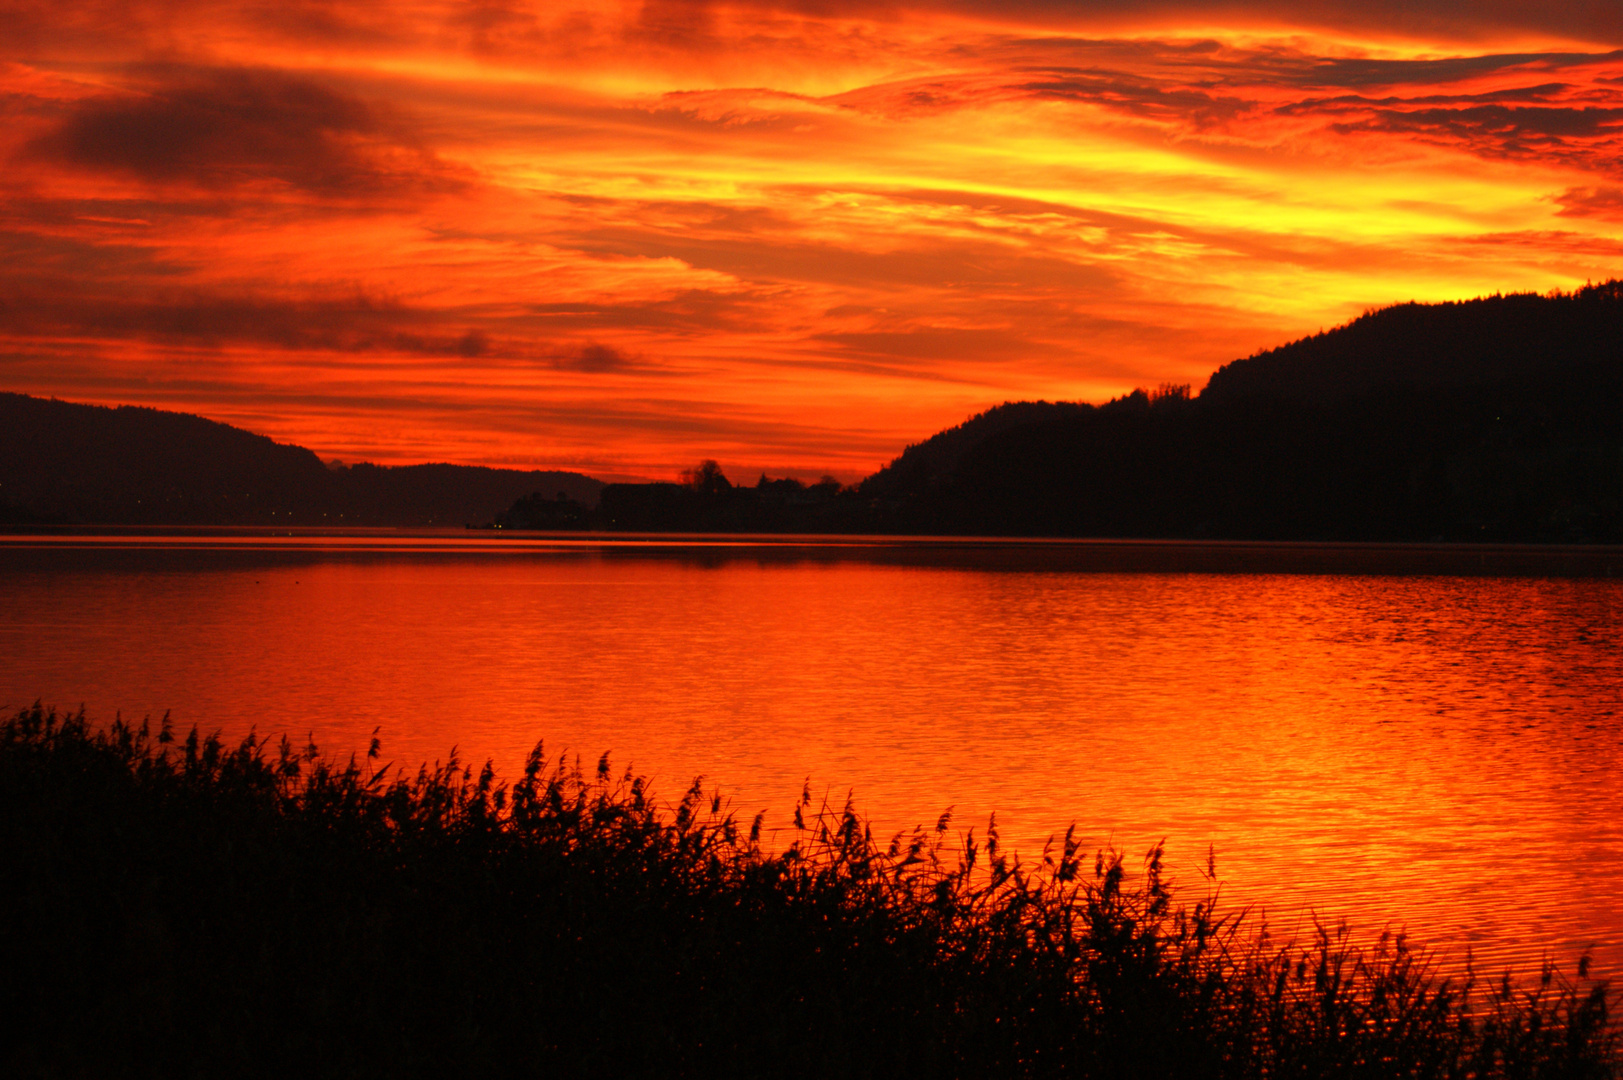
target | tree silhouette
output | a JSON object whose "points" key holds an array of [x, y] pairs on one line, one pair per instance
{"points": [[706, 479]]}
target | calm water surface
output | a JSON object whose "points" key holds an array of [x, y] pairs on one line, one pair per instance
{"points": [[1431, 751]]}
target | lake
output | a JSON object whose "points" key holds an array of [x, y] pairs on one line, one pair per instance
{"points": [[1422, 737]]}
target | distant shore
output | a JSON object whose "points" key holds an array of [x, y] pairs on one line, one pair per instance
{"points": [[998, 552]]}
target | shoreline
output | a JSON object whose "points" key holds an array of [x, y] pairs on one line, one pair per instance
{"points": [[1043, 554]]}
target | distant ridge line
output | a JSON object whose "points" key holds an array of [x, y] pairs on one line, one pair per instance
{"points": [[69, 463]]}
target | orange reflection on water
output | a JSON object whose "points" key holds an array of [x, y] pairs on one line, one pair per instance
{"points": [[1440, 752]]}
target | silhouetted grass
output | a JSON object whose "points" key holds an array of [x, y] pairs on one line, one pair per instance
{"points": [[196, 909]]}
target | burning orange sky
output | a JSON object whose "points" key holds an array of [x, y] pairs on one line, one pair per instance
{"points": [[794, 237]]}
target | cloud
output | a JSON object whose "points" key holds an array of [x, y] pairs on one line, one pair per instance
{"points": [[1586, 137], [691, 313], [1598, 202], [1503, 125], [1450, 20], [1365, 72], [937, 343], [223, 128], [595, 357], [355, 324], [1560, 105]]}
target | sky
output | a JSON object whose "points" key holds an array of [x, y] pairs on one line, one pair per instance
{"points": [[794, 237]]}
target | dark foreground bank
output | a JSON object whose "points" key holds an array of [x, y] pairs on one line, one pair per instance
{"points": [[193, 909]]}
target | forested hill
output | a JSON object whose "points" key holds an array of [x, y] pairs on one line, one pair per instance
{"points": [[1499, 418], [88, 464], [923, 464], [1495, 340]]}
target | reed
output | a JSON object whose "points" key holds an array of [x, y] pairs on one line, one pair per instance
{"points": [[193, 908]]}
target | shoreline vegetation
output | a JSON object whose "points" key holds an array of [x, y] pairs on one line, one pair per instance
{"points": [[185, 907]]}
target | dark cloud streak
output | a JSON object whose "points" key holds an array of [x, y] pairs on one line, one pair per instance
{"points": [[356, 325], [1598, 202], [222, 128]]}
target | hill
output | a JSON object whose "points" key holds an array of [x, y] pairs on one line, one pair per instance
{"points": [[926, 464], [1492, 419], [67, 463], [1494, 341]]}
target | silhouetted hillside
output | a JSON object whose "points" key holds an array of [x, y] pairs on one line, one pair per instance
{"points": [[84, 463], [927, 463], [1493, 419], [1522, 338], [89, 464]]}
